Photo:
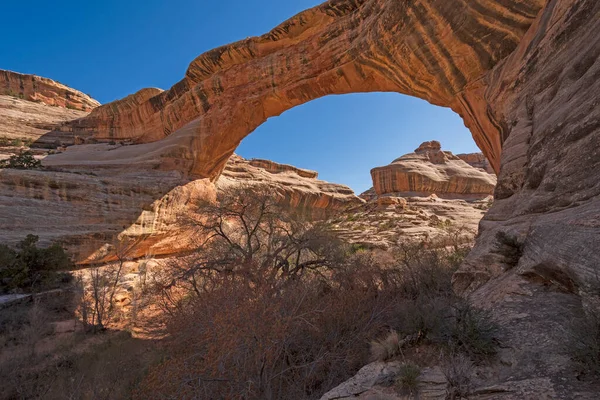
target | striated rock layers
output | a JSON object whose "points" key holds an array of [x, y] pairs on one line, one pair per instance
{"points": [[86, 206], [295, 187], [430, 170], [418, 197], [44, 90]]}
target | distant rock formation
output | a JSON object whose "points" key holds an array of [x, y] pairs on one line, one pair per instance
{"points": [[44, 90], [430, 170], [295, 187]]}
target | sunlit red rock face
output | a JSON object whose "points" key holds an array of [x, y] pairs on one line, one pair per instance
{"points": [[430, 170], [522, 74], [87, 206], [44, 90]]}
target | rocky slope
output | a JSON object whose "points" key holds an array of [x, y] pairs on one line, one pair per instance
{"points": [[45, 91], [296, 187], [431, 170]]}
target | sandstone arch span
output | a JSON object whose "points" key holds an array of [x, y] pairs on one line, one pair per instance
{"points": [[432, 49]]}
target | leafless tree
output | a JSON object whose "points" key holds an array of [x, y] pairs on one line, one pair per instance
{"points": [[247, 234], [98, 286]]}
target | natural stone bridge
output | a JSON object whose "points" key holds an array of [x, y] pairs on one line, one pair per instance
{"points": [[436, 50]]}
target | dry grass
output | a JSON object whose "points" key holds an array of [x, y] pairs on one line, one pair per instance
{"points": [[458, 370], [408, 378]]}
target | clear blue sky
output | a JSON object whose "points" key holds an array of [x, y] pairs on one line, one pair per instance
{"points": [[113, 48]]}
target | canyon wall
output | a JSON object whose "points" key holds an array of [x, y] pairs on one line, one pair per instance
{"points": [[44, 90], [88, 207], [522, 74]]}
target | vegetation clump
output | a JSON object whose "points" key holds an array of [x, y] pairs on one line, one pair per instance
{"points": [[29, 268], [408, 377], [509, 247], [295, 307], [23, 160], [584, 345]]}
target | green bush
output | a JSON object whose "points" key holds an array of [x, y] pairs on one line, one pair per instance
{"points": [[28, 267], [24, 160]]}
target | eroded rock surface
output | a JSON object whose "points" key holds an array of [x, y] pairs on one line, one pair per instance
{"points": [[87, 205], [421, 196], [296, 187], [477, 160]]}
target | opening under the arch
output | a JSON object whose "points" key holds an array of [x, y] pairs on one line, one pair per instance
{"points": [[344, 136]]}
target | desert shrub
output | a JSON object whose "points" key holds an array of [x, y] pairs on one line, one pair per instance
{"points": [[269, 341], [97, 287], [24, 160], [584, 344], [386, 348], [458, 370], [509, 247], [5, 141], [28, 267], [408, 377], [106, 368], [472, 331], [272, 306]]}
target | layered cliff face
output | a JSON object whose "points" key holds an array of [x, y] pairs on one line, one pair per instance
{"points": [[420, 197], [87, 206], [431, 170], [44, 90], [26, 122]]}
